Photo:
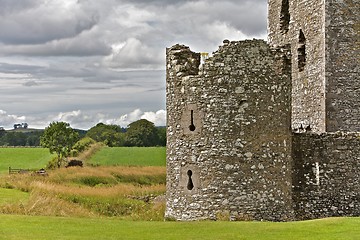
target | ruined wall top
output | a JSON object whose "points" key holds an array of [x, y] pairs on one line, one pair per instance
{"points": [[325, 65], [228, 123]]}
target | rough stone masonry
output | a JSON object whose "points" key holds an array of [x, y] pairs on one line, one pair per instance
{"points": [[257, 132]]}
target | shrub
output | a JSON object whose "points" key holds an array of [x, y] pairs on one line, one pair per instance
{"points": [[53, 163], [82, 145]]}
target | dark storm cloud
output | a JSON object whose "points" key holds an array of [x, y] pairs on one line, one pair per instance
{"points": [[39, 22]]}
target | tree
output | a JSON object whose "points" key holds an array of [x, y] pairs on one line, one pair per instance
{"points": [[60, 138], [141, 133], [161, 135], [111, 135]]}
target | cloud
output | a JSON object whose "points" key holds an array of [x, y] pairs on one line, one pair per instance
{"points": [[84, 119], [106, 58], [134, 54], [158, 118], [44, 21], [9, 120]]}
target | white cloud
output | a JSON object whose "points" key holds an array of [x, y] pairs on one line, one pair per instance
{"points": [[133, 54], [158, 118], [83, 120], [7, 120]]}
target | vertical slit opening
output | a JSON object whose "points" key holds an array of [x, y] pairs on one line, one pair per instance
{"points": [[192, 126], [190, 184], [284, 16], [317, 173], [301, 51]]}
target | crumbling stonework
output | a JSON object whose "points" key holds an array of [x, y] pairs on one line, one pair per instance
{"points": [[324, 38], [214, 142], [232, 149]]}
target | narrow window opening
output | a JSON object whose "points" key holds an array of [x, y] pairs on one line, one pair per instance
{"points": [[284, 16], [190, 184], [192, 126], [301, 51], [317, 174]]}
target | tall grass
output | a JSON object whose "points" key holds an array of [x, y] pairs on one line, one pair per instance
{"points": [[126, 192]]}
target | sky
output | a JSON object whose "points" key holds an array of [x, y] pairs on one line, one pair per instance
{"points": [[91, 61]]}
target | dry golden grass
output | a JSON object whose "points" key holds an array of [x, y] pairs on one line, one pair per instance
{"points": [[112, 191], [104, 171], [62, 192]]}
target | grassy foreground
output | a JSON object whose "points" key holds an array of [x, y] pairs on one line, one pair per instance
{"points": [[26, 227]]}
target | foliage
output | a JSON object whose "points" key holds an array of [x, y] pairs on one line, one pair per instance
{"points": [[54, 163], [111, 135], [129, 156], [31, 227], [20, 138], [60, 138], [82, 145], [161, 131], [141, 133]]}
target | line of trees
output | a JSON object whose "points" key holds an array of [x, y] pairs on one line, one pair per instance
{"points": [[13, 138], [141, 133], [61, 139]]}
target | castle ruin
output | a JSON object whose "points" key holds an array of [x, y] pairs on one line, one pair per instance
{"points": [[269, 131]]}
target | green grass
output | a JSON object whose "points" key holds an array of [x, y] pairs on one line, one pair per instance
{"points": [[25, 158], [130, 156], [12, 196], [25, 227]]}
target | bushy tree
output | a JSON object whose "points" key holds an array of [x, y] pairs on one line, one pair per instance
{"points": [[141, 133], [162, 136], [60, 138], [111, 135]]}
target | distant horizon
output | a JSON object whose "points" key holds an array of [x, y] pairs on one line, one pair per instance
{"points": [[82, 129]]}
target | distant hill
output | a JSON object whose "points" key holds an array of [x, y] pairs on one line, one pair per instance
{"points": [[25, 130]]}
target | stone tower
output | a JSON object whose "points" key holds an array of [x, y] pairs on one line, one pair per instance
{"points": [[324, 37], [231, 151], [229, 142]]}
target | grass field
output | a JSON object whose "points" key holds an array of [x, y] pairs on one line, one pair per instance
{"points": [[129, 156], [102, 202], [12, 196], [25, 158], [28, 227]]}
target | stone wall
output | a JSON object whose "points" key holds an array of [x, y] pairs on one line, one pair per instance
{"points": [[306, 35], [343, 65], [230, 150], [229, 141], [326, 175], [326, 95]]}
